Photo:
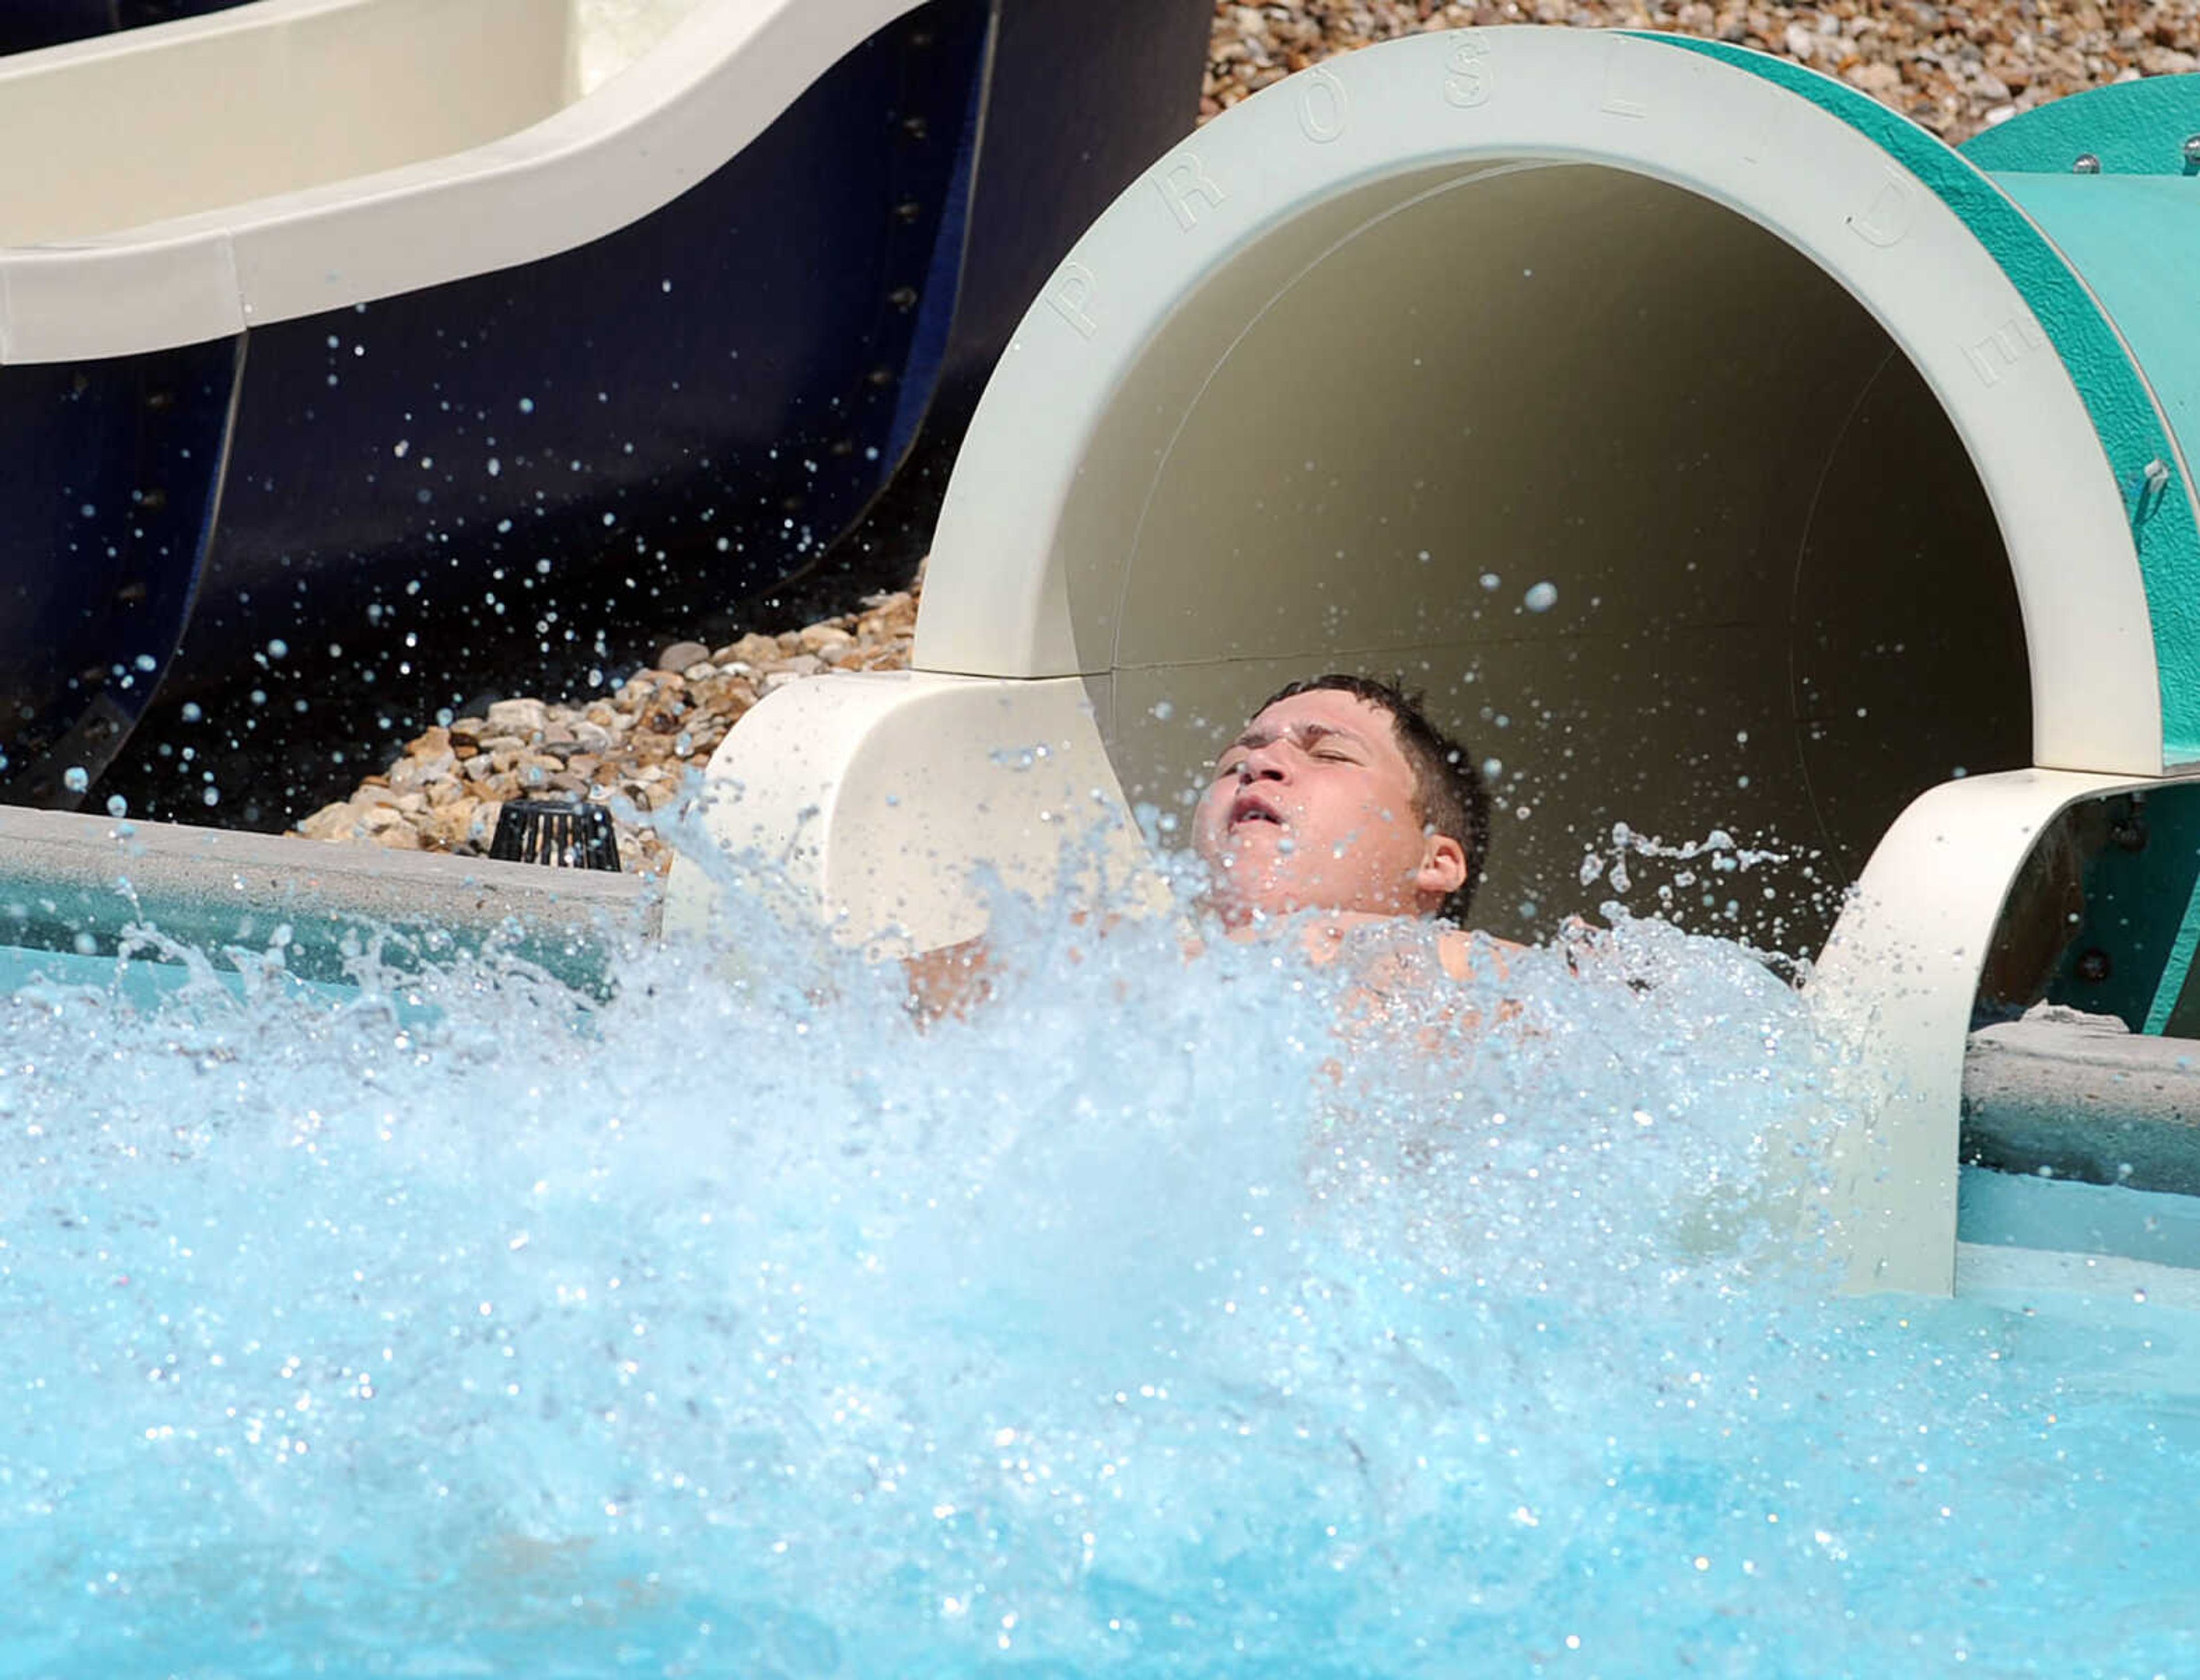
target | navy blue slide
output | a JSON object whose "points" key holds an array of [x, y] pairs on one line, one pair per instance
{"points": [[317, 520]]}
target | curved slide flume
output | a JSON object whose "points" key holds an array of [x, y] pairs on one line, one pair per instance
{"points": [[483, 340], [1722, 452]]}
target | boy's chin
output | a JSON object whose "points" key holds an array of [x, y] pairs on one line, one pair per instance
{"points": [[1237, 901], [1259, 882]]}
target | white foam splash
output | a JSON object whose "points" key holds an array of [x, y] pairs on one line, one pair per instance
{"points": [[1151, 1321]]}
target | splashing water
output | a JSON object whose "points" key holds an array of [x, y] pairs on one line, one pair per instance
{"points": [[1148, 1322]]}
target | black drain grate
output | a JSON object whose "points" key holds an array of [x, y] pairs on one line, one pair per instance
{"points": [[564, 833]]}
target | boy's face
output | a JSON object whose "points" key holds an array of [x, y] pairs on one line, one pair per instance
{"points": [[1311, 808]]}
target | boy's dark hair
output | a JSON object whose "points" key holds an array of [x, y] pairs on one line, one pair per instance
{"points": [[1448, 786]]}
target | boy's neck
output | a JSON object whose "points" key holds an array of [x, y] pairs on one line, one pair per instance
{"points": [[1322, 933]]}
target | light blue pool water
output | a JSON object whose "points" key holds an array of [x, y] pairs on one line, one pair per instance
{"points": [[1139, 1326]]}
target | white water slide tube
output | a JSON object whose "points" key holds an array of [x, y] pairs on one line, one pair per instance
{"points": [[1840, 487]]}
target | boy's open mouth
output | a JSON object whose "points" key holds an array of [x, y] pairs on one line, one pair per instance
{"points": [[1251, 808]]}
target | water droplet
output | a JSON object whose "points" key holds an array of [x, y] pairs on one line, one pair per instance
{"points": [[1541, 598], [76, 778]]}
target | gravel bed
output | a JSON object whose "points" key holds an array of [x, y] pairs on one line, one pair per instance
{"points": [[1953, 69], [629, 749]]}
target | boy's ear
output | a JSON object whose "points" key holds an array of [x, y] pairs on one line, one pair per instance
{"points": [[1443, 867]]}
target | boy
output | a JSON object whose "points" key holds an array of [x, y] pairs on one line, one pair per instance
{"points": [[1339, 800]]}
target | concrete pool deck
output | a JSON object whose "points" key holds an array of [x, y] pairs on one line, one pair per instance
{"points": [[2067, 1095], [72, 881]]}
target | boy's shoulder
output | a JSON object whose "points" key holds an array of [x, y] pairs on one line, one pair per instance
{"points": [[1468, 953]]}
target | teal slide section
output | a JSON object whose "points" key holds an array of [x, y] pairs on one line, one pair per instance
{"points": [[2107, 263], [2135, 239], [2133, 128]]}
